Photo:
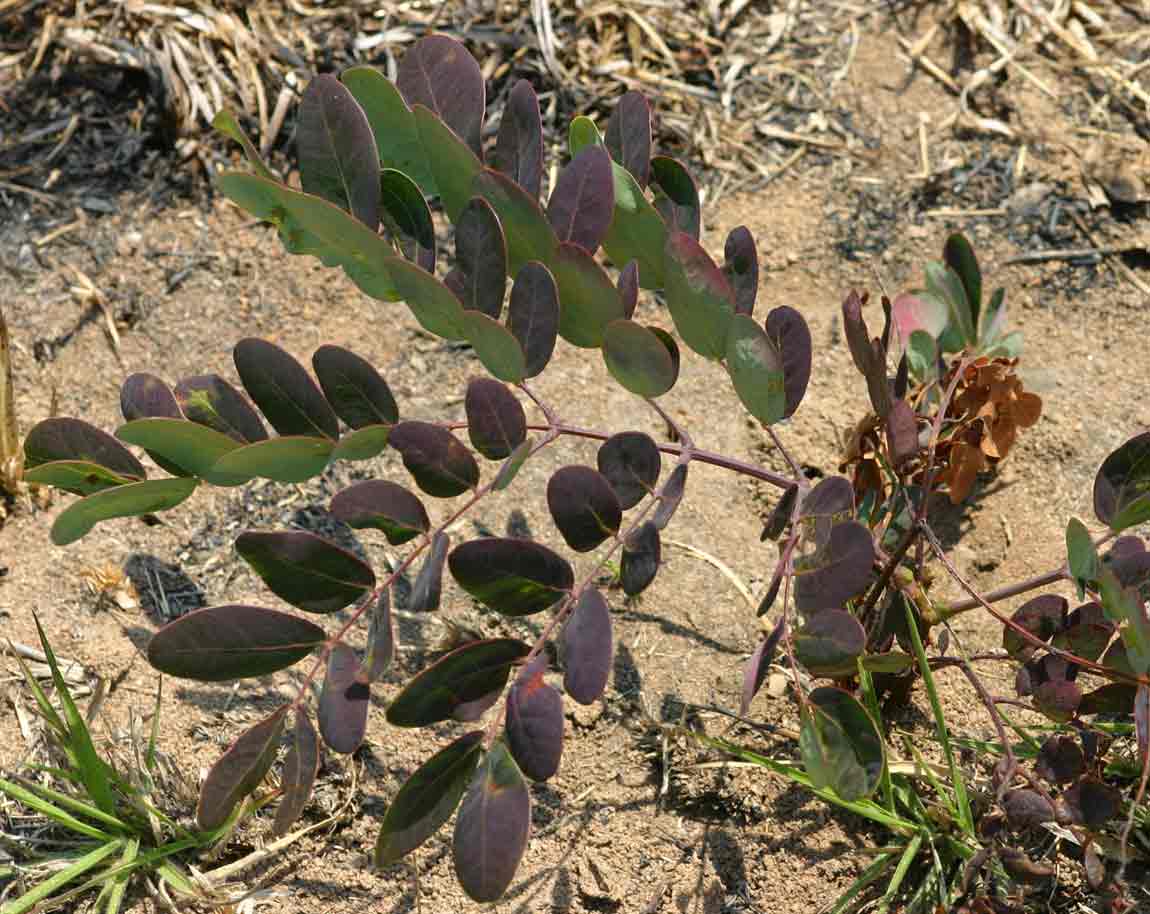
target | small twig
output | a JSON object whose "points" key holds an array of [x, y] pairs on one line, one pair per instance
{"points": [[1073, 253]]}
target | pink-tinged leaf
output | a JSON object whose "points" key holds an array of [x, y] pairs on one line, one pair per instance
{"points": [[911, 312], [355, 390], [427, 591], [630, 461], [466, 674], [144, 396], [1088, 802], [306, 570], [211, 401], [533, 314], [639, 359], [1122, 486], [629, 288], [343, 701], [519, 145], [639, 563], [755, 672], [583, 200], [471, 711], [838, 572], [791, 335], [529, 235], [239, 771], [300, 767], [438, 73], [496, 423], [219, 643], [436, 459], [54, 440], [830, 643], [588, 648], [628, 136], [492, 827], [384, 505], [481, 253], [583, 506], [380, 638], [338, 158], [535, 722], [428, 798], [901, 432], [741, 267], [1060, 760], [670, 497], [1042, 616], [513, 576], [283, 390]]}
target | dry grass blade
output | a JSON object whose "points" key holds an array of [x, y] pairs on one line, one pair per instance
{"points": [[11, 453]]}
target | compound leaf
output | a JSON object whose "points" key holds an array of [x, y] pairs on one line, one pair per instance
{"points": [[589, 300], [392, 123], [466, 674], [533, 315], [233, 641], [452, 163], [428, 798], [130, 500], [338, 159], [583, 506], [439, 463], [306, 570], [144, 395], [513, 576], [290, 459], [519, 144], [529, 235], [496, 422], [189, 446], [343, 700], [588, 648], [239, 771], [497, 347], [384, 505], [74, 440], [535, 722], [630, 462], [492, 827]]}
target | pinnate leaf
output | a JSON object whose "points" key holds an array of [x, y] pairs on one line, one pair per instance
{"points": [[306, 570], [481, 254], [63, 439], [355, 390], [496, 423], [288, 459], [466, 674], [519, 145], [699, 297], [529, 235], [383, 505], [535, 722], [588, 648], [301, 764], [638, 358], [533, 315], [756, 369], [583, 506], [185, 446], [144, 395], [343, 700], [630, 462], [495, 345], [439, 463], [428, 798], [452, 162], [589, 300], [513, 576], [492, 827], [239, 771], [283, 390], [337, 153], [233, 641]]}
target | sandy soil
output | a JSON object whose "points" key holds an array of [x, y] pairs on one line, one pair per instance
{"points": [[628, 824]]}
